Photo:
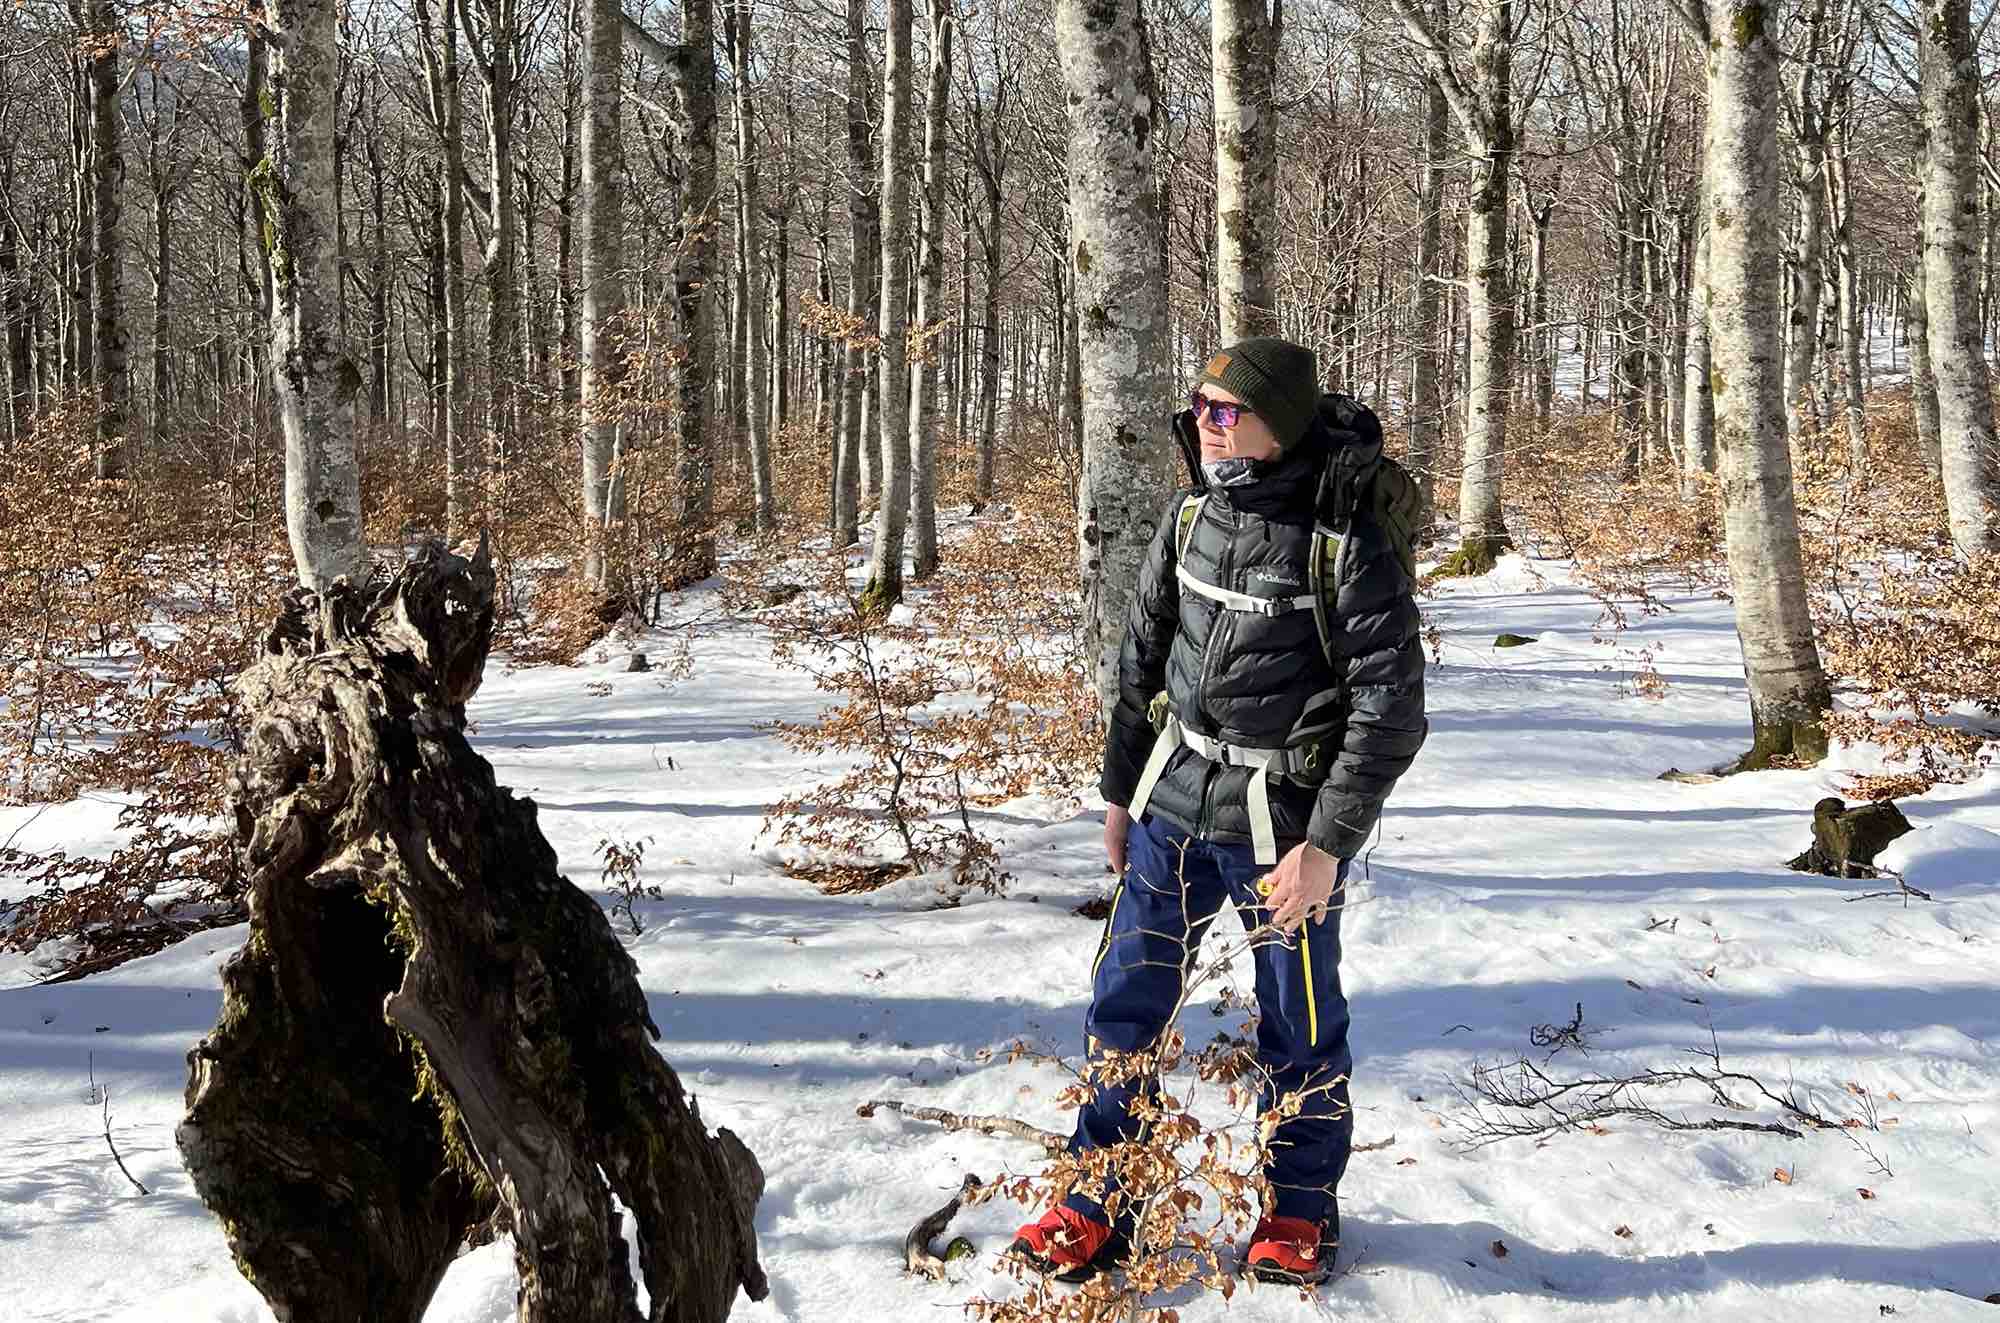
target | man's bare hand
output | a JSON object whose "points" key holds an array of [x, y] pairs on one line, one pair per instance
{"points": [[1117, 825], [1302, 884]]}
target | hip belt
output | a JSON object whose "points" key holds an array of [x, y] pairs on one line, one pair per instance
{"points": [[1292, 761]]}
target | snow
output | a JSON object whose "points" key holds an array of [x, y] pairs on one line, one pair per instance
{"points": [[1516, 874]]}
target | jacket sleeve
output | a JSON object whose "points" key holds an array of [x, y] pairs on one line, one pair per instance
{"points": [[1379, 655], [1142, 660]]}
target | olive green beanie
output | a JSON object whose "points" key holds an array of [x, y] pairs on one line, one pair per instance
{"points": [[1276, 378]]}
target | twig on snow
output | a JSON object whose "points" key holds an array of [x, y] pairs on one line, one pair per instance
{"points": [[986, 1125], [137, 1184]]}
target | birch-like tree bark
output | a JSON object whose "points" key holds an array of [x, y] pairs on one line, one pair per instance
{"points": [[885, 564], [316, 381], [1481, 95], [1123, 323], [1948, 66], [603, 292], [1788, 690], [929, 365], [107, 173], [1244, 46]]}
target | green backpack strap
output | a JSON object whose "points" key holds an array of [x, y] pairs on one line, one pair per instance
{"points": [[1190, 511]]}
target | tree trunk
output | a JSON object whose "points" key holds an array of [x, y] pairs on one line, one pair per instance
{"points": [[864, 220], [1923, 381], [1244, 47], [380, 364], [346, 1150], [316, 380], [750, 281], [1125, 321], [930, 300], [1482, 98], [694, 102], [568, 295], [1808, 186], [1949, 69], [885, 565], [1849, 289], [1698, 416], [441, 72], [163, 272], [1788, 691], [603, 290], [503, 327], [1490, 350], [1427, 406], [107, 173]]}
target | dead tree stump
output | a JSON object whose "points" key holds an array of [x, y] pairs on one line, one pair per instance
{"points": [[427, 1016], [1846, 840]]}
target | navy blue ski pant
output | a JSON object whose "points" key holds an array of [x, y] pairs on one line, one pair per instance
{"points": [[1174, 885]]}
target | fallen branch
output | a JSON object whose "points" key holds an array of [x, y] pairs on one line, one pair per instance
{"points": [[1549, 1106], [986, 1125], [917, 1256], [1903, 890], [137, 1184]]}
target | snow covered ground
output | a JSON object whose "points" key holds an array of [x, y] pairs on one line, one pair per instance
{"points": [[1517, 873]]}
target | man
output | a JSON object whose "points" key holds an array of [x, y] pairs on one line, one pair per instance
{"points": [[1255, 738]]}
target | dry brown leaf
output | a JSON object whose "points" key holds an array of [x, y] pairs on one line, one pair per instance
{"points": [[1623, 1232], [1499, 1248], [1782, 1176]]}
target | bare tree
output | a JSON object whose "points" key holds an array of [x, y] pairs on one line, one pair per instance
{"points": [[885, 564], [1245, 54], [439, 47], [693, 73], [603, 286], [316, 380], [737, 24], [864, 225], [1788, 691], [928, 365], [1698, 413], [1121, 292], [107, 173], [1427, 406], [1948, 66], [1479, 87]]}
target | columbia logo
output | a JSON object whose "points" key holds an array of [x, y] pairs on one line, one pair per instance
{"points": [[1285, 577]]}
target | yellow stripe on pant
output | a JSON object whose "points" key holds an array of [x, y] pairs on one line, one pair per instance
{"points": [[1312, 1004]]}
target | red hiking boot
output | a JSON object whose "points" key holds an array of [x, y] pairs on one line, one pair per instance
{"points": [[1287, 1249], [1067, 1245]]}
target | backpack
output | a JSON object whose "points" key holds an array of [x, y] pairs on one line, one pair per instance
{"points": [[1390, 497]]}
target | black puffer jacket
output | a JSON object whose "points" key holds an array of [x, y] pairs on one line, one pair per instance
{"points": [[1263, 681]]}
